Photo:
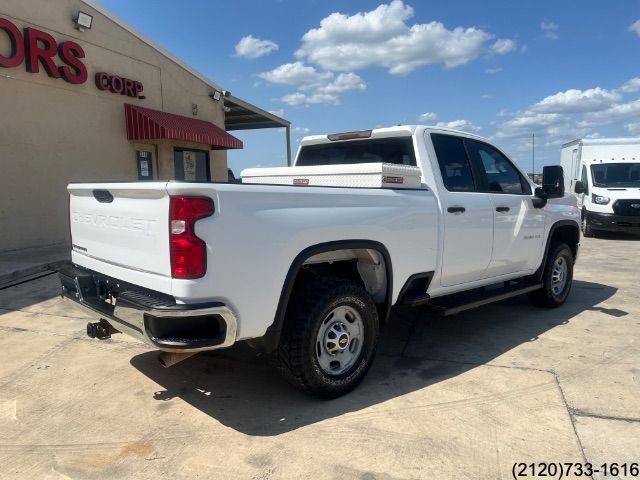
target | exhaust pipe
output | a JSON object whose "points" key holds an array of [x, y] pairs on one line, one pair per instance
{"points": [[168, 359]]}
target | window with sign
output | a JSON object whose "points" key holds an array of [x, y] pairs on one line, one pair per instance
{"points": [[144, 159], [191, 165]]}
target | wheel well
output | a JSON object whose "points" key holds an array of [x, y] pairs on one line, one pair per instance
{"points": [[364, 266], [569, 234], [364, 261]]}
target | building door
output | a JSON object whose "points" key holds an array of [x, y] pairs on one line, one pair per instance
{"points": [[191, 165]]}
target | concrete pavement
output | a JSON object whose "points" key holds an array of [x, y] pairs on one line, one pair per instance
{"points": [[461, 397]]}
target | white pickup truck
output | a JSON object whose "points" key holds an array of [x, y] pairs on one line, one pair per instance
{"points": [[309, 273]]}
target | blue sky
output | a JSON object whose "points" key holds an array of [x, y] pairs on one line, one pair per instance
{"points": [[503, 69]]}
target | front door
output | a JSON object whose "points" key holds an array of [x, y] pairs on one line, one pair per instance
{"points": [[468, 214], [518, 226]]}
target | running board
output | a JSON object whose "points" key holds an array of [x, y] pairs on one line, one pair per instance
{"points": [[456, 303]]}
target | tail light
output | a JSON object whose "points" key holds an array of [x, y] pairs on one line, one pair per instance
{"points": [[188, 252]]}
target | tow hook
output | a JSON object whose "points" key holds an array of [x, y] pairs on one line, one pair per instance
{"points": [[100, 330]]}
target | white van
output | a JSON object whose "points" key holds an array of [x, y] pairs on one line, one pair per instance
{"points": [[604, 174]]}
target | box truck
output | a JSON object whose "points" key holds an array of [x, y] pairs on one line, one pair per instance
{"points": [[604, 174]]}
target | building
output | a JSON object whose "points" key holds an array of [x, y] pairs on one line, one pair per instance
{"points": [[84, 97]]}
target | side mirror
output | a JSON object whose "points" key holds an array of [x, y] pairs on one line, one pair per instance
{"points": [[553, 181], [580, 187], [540, 198]]}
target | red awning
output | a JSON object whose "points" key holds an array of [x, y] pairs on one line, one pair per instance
{"points": [[147, 124]]}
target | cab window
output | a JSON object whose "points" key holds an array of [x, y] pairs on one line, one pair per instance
{"points": [[500, 174], [455, 167]]}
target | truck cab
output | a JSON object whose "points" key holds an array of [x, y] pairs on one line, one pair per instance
{"points": [[604, 175]]}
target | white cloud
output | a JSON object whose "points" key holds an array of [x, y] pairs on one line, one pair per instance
{"points": [[301, 130], [486, 96], [428, 117], [296, 74], [344, 82], [314, 86], [632, 85], [463, 125], [492, 71], [573, 100], [633, 128], [277, 113], [635, 27], [529, 120], [251, 47], [382, 38], [550, 30], [613, 114], [298, 99], [504, 46]]}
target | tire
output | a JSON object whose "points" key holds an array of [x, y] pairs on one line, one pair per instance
{"points": [[587, 231], [328, 309], [557, 278]]}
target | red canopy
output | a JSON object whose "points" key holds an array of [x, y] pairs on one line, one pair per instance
{"points": [[147, 124]]}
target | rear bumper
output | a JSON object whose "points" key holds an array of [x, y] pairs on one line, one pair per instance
{"points": [[149, 316], [614, 223]]}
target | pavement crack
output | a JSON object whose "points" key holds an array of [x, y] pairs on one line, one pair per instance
{"points": [[581, 413], [571, 418]]}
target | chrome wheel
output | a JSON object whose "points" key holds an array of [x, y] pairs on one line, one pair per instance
{"points": [[559, 276], [339, 340]]}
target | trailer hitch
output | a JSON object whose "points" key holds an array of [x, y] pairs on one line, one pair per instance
{"points": [[101, 330]]}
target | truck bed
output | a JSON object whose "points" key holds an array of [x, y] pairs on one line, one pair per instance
{"points": [[251, 240]]}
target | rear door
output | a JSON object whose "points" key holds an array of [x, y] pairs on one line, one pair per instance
{"points": [[518, 227], [120, 224], [468, 214]]}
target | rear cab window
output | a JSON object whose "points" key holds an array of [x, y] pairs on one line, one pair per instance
{"points": [[396, 150], [454, 163]]}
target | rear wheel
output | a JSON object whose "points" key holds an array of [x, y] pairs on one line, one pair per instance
{"points": [[556, 278], [329, 337]]}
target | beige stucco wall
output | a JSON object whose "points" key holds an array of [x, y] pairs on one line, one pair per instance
{"points": [[53, 133]]}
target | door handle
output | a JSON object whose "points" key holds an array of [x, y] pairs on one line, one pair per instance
{"points": [[502, 209], [456, 209]]}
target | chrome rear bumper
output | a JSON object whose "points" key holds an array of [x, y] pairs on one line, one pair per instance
{"points": [[149, 316]]}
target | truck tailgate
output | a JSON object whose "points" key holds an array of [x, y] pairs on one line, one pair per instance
{"points": [[121, 224]]}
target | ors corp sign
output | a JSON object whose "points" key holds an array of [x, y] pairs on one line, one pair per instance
{"points": [[37, 49]]}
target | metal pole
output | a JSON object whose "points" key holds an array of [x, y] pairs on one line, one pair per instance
{"points": [[533, 155], [288, 133]]}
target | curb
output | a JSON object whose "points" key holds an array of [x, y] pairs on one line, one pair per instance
{"points": [[20, 274]]}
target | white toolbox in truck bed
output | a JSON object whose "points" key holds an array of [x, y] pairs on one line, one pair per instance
{"points": [[363, 175]]}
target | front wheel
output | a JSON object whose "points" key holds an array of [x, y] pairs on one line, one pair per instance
{"points": [[586, 228], [329, 337], [556, 278]]}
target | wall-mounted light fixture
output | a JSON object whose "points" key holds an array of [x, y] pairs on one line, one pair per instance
{"points": [[83, 21], [217, 95]]}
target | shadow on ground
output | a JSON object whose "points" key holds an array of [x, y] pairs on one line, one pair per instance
{"points": [[26, 293], [241, 390]]}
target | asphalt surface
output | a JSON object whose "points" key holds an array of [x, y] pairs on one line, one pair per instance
{"points": [[460, 397]]}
